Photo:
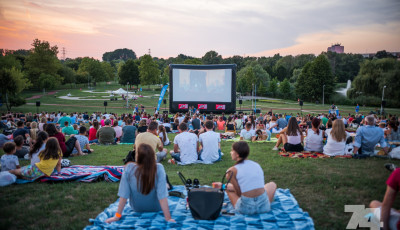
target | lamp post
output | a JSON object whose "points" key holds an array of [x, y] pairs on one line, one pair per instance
{"points": [[383, 92], [127, 94], [323, 95]]}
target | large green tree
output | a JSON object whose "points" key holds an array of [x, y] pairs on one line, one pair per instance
{"points": [[93, 69], [68, 75], [148, 71], [12, 82], [108, 70], [42, 60], [314, 75], [284, 89], [129, 72], [374, 75], [211, 57], [273, 86], [119, 54], [253, 73]]}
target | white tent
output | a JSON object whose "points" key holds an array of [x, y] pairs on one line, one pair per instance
{"points": [[119, 91]]}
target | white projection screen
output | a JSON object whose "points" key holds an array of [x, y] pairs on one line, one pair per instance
{"points": [[210, 88], [202, 85]]}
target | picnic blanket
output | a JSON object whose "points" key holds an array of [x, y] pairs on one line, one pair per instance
{"points": [[83, 173], [285, 214], [273, 139], [309, 155]]}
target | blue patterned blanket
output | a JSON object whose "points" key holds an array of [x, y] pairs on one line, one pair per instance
{"points": [[83, 173], [285, 214]]}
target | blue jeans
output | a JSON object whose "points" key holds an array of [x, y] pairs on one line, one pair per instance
{"points": [[269, 135], [176, 156], [94, 141], [219, 153], [255, 205]]}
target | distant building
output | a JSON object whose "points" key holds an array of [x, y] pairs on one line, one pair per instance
{"points": [[372, 55], [337, 48]]}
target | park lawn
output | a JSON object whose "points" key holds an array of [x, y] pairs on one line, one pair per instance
{"points": [[52, 103], [321, 186]]}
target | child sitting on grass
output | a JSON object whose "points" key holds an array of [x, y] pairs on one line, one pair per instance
{"points": [[9, 161], [50, 159]]}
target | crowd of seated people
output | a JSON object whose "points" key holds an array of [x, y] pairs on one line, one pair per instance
{"points": [[326, 133], [42, 139]]}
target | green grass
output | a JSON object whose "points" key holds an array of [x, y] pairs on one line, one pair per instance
{"points": [[54, 103], [321, 186]]}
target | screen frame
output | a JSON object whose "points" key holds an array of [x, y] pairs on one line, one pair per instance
{"points": [[230, 107]]}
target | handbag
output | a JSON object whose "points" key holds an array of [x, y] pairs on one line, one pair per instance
{"points": [[205, 203]]}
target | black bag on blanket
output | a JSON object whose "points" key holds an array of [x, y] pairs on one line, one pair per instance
{"points": [[205, 203]]}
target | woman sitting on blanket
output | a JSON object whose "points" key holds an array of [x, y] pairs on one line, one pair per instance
{"points": [[230, 125], [49, 159], [336, 141], [247, 191], [144, 184], [291, 137], [315, 137]]}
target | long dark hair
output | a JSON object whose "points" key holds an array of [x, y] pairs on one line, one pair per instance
{"points": [[161, 128], [243, 150], [96, 125], [293, 128], [147, 169], [52, 150], [315, 123], [51, 129], [41, 137]]}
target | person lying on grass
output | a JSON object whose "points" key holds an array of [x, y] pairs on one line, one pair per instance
{"points": [[144, 184], [291, 137], [247, 191], [247, 133], [50, 159]]}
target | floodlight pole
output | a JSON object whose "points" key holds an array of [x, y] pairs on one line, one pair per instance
{"points": [[383, 92], [127, 94], [323, 95]]}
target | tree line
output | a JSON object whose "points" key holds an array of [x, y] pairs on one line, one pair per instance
{"points": [[288, 77]]}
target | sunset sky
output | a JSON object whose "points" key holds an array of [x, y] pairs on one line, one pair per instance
{"points": [[193, 27]]}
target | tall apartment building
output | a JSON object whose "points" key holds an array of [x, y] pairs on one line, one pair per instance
{"points": [[337, 48]]}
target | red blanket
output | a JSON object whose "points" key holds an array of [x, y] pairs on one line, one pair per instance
{"points": [[309, 155]]}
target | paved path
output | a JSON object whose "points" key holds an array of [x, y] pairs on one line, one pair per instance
{"points": [[41, 95]]}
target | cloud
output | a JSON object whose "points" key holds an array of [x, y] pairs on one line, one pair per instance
{"points": [[193, 27]]}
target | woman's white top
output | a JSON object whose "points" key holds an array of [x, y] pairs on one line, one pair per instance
{"points": [[294, 140], [35, 156], [161, 135], [249, 176], [333, 147], [314, 141]]}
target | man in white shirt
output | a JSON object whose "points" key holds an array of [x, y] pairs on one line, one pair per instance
{"points": [[248, 133], [210, 142], [180, 118], [186, 146]]}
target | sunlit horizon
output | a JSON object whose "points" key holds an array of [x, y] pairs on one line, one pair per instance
{"points": [[256, 28]]}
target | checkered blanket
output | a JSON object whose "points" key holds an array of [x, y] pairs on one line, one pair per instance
{"points": [[83, 173], [309, 155], [285, 214]]}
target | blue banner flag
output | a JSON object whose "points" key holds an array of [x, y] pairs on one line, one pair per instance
{"points": [[163, 90]]}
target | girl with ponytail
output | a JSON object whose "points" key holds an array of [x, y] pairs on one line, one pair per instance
{"points": [[247, 191]]}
